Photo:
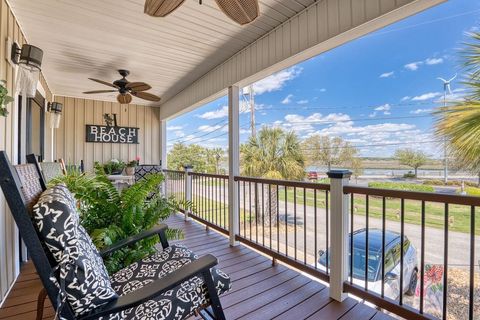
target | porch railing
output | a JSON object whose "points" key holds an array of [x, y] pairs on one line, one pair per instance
{"points": [[293, 221]]}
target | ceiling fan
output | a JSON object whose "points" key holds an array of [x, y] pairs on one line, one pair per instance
{"points": [[240, 11], [126, 89]]}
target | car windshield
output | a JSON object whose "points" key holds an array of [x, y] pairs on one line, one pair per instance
{"points": [[359, 264]]}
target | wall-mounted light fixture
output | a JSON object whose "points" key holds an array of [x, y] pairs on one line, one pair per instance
{"points": [[55, 109], [28, 56], [29, 59]]}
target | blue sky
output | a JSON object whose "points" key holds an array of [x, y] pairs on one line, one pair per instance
{"points": [[376, 92]]}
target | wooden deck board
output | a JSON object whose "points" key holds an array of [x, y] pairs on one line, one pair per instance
{"points": [[259, 289]]}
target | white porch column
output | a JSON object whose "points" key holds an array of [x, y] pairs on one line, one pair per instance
{"points": [[339, 233], [233, 162]]}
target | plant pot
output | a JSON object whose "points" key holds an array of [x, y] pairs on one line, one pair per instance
{"points": [[117, 172], [130, 171]]}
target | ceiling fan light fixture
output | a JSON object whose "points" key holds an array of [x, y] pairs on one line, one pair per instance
{"points": [[161, 8], [241, 11]]}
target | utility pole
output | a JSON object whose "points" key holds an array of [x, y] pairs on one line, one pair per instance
{"points": [[252, 110]]}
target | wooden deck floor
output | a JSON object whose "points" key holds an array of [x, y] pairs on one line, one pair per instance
{"points": [[259, 290]]}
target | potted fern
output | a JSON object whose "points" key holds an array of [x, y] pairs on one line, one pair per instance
{"points": [[110, 216]]}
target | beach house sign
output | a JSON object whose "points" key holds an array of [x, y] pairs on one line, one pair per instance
{"points": [[111, 133]]}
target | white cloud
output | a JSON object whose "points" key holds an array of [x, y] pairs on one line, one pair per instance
{"points": [[419, 111], [433, 61], [173, 128], [302, 101], [287, 99], [373, 114], [413, 66], [426, 96], [276, 81], [387, 74], [323, 90], [405, 98], [207, 128], [384, 108], [216, 114]]}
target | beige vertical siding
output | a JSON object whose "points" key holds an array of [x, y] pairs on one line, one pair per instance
{"points": [[70, 136], [9, 28]]}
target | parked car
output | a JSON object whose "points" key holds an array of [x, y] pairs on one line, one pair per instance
{"points": [[392, 262]]}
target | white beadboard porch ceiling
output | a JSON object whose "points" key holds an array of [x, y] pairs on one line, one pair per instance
{"points": [[92, 38]]}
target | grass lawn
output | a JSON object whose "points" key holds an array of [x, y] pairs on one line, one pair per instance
{"points": [[459, 216]]}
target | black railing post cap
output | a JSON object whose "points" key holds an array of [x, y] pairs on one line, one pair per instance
{"points": [[188, 166], [339, 174]]}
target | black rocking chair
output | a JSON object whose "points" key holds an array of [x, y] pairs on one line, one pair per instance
{"points": [[23, 186]]}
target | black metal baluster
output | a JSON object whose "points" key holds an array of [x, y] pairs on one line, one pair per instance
{"points": [[402, 233], [304, 226], [285, 189], [250, 207], [315, 226], [327, 264], [445, 265], [366, 239], [352, 208], [270, 213], [422, 257], [244, 212], [472, 263], [383, 246], [256, 212], [278, 220], [295, 218], [263, 215]]}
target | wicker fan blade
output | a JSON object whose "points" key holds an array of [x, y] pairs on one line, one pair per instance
{"points": [[138, 86], [124, 98], [161, 8], [104, 82], [99, 91], [240, 11], [146, 96]]}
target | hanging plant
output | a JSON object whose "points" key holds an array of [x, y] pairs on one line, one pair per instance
{"points": [[5, 99]]}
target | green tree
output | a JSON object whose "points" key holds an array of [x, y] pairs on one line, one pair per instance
{"points": [[411, 158], [459, 122], [215, 157], [272, 154], [182, 155], [323, 150], [356, 165]]}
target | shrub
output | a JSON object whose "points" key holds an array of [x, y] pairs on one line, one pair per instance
{"points": [[473, 191], [401, 186], [409, 175], [458, 183]]}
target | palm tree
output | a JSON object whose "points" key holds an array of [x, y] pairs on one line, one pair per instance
{"points": [[460, 121], [272, 154]]}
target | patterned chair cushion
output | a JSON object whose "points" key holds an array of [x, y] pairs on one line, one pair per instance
{"points": [[141, 171], [86, 281], [178, 303]]}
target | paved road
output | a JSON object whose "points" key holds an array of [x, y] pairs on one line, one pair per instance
{"points": [[459, 243]]}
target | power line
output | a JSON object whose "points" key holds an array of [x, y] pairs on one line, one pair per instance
{"points": [[373, 145], [412, 104]]}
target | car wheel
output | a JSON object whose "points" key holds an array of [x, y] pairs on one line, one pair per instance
{"points": [[412, 285]]}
